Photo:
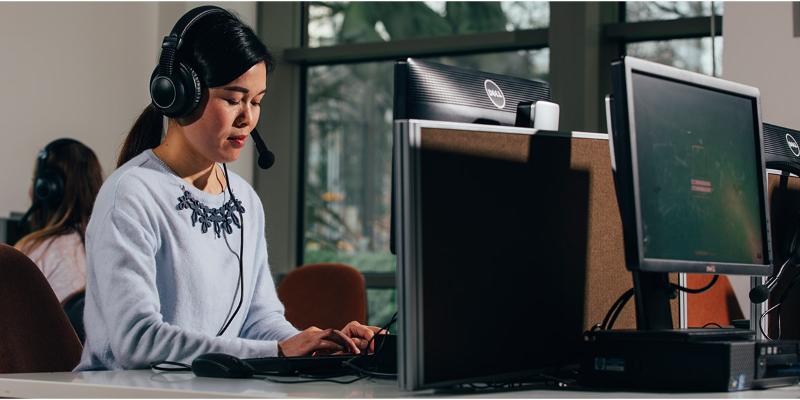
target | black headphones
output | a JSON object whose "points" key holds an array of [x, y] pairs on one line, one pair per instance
{"points": [[48, 182], [175, 88]]}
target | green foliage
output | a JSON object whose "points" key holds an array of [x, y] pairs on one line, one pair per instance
{"points": [[363, 261]]}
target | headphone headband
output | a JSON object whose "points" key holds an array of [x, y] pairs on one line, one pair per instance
{"points": [[188, 19], [173, 42]]}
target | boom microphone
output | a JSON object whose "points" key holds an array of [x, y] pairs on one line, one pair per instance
{"points": [[265, 157]]}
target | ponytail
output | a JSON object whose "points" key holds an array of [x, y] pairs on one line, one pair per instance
{"points": [[145, 134]]}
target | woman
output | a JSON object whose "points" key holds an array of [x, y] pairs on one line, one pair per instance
{"points": [[66, 180], [177, 256]]}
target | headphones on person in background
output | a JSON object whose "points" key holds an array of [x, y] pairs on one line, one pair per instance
{"points": [[175, 88], [48, 182]]}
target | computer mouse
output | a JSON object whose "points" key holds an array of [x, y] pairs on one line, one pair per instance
{"points": [[220, 365]]}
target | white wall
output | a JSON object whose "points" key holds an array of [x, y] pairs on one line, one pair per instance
{"points": [[79, 70], [760, 50]]}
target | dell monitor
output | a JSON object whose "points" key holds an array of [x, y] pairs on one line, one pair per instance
{"points": [[690, 179], [431, 91]]}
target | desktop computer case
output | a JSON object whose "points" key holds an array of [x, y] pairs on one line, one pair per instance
{"points": [[606, 275]]}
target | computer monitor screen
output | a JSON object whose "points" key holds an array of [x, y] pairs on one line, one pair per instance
{"points": [[699, 174], [695, 166]]}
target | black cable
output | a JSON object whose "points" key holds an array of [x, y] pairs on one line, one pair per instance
{"points": [[628, 295], [712, 324], [778, 308], [604, 323], [616, 309], [696, 291], [182, 366], [241, 254], [385, 328], [350, 362], [309, 379], [761, 321]]}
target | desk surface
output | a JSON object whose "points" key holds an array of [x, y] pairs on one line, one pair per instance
{"points": [[144, 383]]}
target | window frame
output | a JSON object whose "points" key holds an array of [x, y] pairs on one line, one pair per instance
{"points": [[613, 38]]}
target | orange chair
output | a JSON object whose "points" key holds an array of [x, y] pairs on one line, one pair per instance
{"points": [[324, 295], [35, 334], [716, 305]]}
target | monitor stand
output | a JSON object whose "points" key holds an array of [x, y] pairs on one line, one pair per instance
{"points": [[652, 295]]}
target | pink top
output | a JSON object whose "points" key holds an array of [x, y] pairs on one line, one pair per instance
{"points": [[62, 260]]}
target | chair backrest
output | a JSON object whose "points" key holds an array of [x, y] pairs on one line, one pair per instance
{"points": [[716, 305], [73, 307], [35, 334], [324, 295]]}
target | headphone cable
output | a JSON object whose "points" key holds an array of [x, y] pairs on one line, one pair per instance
{"points": [[241, 253]]}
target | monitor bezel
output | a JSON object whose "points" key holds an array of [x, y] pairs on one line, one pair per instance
{"points": [[633, 65]]}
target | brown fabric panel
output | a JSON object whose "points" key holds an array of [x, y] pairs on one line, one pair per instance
{"points": [[325, 295], [784, 219], [607, 277], [604, 265], [35, 335], [500, 146]]}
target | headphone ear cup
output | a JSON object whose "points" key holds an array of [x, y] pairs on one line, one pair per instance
{"points": [[176, 95], [48, 187], [163, 93]]}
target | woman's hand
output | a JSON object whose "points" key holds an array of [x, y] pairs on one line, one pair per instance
{"points": [[315, 340], [362, 334]]}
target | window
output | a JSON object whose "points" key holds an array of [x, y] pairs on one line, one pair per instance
{"points": [[332, 23], [690, 54], [348, 113], [693, 54], [349, 93], [637, 11]]}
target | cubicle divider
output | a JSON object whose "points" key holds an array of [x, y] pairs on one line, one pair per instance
{"points": [[571, 226]]}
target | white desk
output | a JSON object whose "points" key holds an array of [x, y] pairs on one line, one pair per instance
{"points": [[144, 383]]}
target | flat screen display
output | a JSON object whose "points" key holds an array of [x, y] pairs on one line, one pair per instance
{"points": [[699, 173]]}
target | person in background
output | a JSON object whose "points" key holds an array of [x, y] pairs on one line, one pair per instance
{"points": [[177, 260], [65, 183]]}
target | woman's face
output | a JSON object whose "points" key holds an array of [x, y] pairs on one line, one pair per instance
{"points": [[228, 116]]}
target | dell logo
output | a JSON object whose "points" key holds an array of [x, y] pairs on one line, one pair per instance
{"points": [[793, 146], [711, 268], [495, 94]]}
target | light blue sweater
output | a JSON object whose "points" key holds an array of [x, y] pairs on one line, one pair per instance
{"points": [[158, 288]]}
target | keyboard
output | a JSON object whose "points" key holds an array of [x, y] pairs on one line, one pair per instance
{"points": [[383, 361]]}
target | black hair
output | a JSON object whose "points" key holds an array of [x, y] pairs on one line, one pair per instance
{"points": [[220, 48]]}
